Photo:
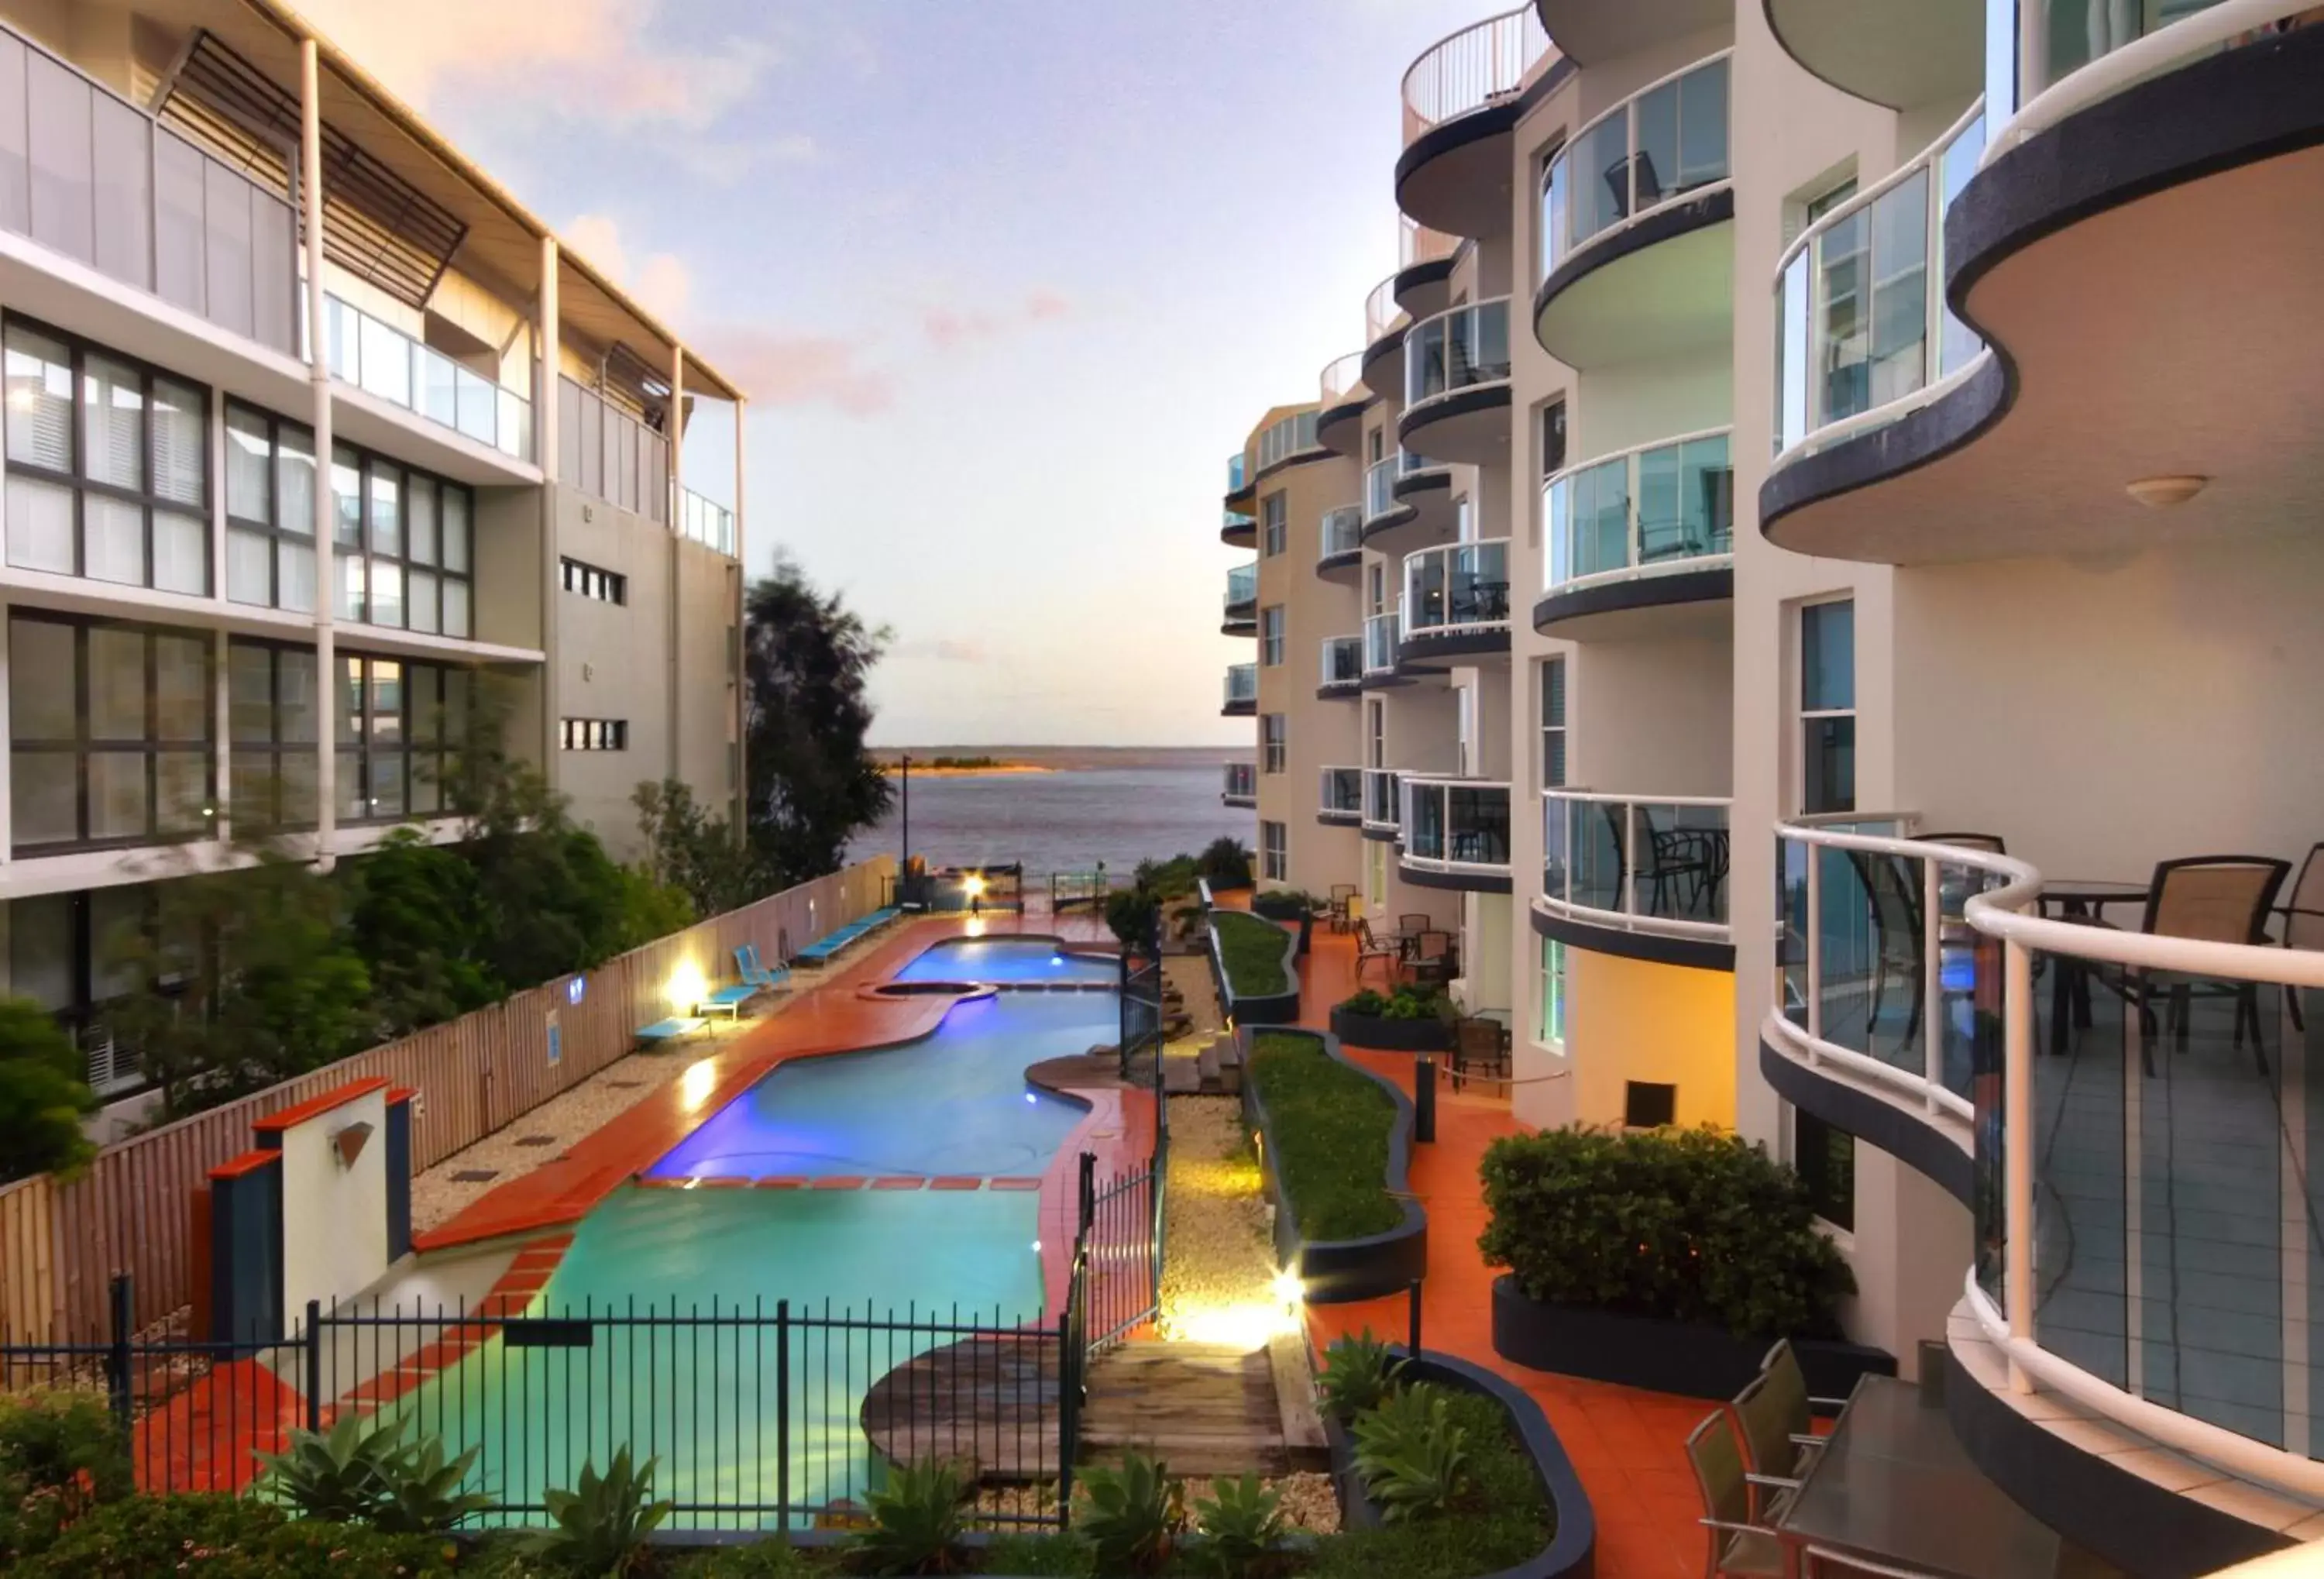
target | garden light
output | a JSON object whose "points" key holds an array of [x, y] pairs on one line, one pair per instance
{"points": [[686, 987]]}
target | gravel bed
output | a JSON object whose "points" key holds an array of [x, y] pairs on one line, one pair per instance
{"points": [[1217, 1252]]}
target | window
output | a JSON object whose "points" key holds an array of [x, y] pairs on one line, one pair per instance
{"points": [[1274, 852], [1553, 438], [1375, 732], [396, 727], [110, 732], [401, 545], [1818, 206], [1549, 1027], [271, 709], [1271, 742], [108, 466], [1648, 1105], [1552, 722], [1375, 589], [1828, 707], [66, 953], [588, 581], [269, 507], [597, 735], [1270, 637], [1286, 437], [1824, 1155], [1274, 526]]}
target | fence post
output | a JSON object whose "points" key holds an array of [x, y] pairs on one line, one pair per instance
{"points": [[314, 1335], [1087, 1196], [1424, 1099], [1069, 1401], [783, 1410], [1412, 1297], [121, 1312]]}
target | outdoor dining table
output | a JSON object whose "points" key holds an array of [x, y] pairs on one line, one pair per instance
{"points": [[1893, 1484], [2080, 900]]}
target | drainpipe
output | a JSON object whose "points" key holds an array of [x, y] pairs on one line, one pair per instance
{"points": [[673, 513], [548, 440], [319, 372], [740, 762]]}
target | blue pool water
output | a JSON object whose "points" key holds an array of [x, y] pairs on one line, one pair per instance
{"points": [[1006, 959]]}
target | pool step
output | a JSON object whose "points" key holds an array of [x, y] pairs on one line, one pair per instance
{"points": [[1205, 1408]]}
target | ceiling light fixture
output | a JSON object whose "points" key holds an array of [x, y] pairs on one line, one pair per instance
{"points": [[2155, 493]]}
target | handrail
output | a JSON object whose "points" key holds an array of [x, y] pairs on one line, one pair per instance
{"points": [[1553, 254], [1417, 244], [1473, 68], [1341, 531], [1242, 682], [1482, 366], [1332, 778], [1381, 313], [1393, 778], [1886, 413], [1603, 797], [1242, 584], [1631, 916], [1633, 565], [1411, 787], [1488, 611], [1379, 487], [1337, 669], [1381, 661], [1238, 470], [1342, 378]]}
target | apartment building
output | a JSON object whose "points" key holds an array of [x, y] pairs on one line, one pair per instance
{"points": [[1837, 519], [317, 442]]}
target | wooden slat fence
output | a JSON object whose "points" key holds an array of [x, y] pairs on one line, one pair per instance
{"points": [[60, 1244]]}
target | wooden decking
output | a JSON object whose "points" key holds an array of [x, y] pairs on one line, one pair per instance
{"points": [[1202, 1408]]}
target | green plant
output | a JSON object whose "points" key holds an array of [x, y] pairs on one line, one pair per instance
{"points": [[1684, 1225], [915, 1521], [1403, 1003], [1241, 1524], [364, 1473], [1369, 1001], [762, 1559], [1133, 915], [1327, 1136], [1252, 950], [1284, 904], [43, 1096], [1040, 1556], [1360, 1371], [62, 1455], [1226, 862], [230, 1537], [1412, 1454], [1131, 1515], [601, 1525]]}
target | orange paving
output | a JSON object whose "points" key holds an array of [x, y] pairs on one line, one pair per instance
{"points": [[1628, 1445]]}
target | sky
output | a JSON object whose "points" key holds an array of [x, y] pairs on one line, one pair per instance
{"points": [[1006, 280]]}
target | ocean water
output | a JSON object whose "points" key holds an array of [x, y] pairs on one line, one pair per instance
{"points": [[1118, 805]]}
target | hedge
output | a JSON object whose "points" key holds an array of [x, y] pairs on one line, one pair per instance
{"points": [[1252, 951], [1331, 1126]]}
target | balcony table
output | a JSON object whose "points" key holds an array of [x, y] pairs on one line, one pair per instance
{"points": [[2079, 900], [1893, 1484]]}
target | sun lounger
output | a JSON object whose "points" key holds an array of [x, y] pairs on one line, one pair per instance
{"points": [[675, 1028]]}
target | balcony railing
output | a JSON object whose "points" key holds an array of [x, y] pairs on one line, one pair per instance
{"points": [[381, 359], [1342, 792], [2047, 59], [1243, 587], [1342, 531], [1637, 864], [1381, 313], [1342, 379], [1416, 243], [1654, 149], [1242, 783], [1456, 349], [1237, 466], [1474, 69], [1663, 506], [1286, 437], [1456, 825], [1237, 521], [1243, 683], [1383, 801], [2072, 1062], [1379, 487], [92, 178], [1343, 660], [1863, 335], [1460, 586], [1379, 644], [706, 521]]}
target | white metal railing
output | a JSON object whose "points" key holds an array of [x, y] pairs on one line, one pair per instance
{"points": [[1474, 69], [1379, 644], [381, 359], [1863, 333], [1383, 801], [1343, 660], [1242, 783], [1243, 683], [1648, 864], [1381, 313], [1340, 792], [1341, 531], [1416, 243], [705, 521], [1668, 505], [1286, 437], [1663, 144], [1456, 349], [1342, 379], [1379, 487], [1459, 587], [1242, 586], [1455, 825], [2121, 49]]}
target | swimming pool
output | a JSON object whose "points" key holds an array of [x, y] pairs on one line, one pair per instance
{"points": [[1004, 960]]}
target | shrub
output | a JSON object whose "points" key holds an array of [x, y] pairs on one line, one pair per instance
{"points": [[1225, 862], [1498, 1518], [1283, 904], [364, 1473], [1360, 1371], [1403, 1003], [1686, 1224], [43, 1096], [1241, 1526], [1133, 915], [1412, 1454], [1252, 950], [762, 1559], [140, 1537], [1040, 1556], [600, 1527], [1328, 1129], [915, 1521], [1131, 1515], [60, 1455]]}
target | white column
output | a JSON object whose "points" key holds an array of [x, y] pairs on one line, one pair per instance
{"points": [[548, 435], [673, 511], [319, 370]]}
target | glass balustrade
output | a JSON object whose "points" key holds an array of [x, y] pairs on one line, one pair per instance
{"points": [[1383, 798], [1861, 322], [1342, 380], [2033, 45], [1284, 437], [1242, 783], [1343, 792], [1342, 531], [1653, 149], [1639, 862], [1457, 349], [381, 360], [1242, 684], [1379, 644], [1458, 587], [706, 521], [1379, 487], [1456, 823], [1242, 586], [1236, 467], [1655, 506], [1382, 316], [1343, 660]]}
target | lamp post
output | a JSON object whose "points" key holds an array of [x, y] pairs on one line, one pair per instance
{"points": [[904, 868]]}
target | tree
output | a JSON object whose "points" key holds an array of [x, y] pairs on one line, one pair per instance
{"points": [[42, 1097], [416, 915], [693, 850], [806, 660]]}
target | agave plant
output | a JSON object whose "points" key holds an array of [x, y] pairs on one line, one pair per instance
{"points": [[423, 1491], [1412, 1457], [602, 1524], [1241, 1524], [1360, 1373], [916, 1520], [362, 1471], [1131, 1515]]}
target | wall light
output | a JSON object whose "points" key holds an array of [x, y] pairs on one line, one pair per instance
{"points": [[2157, 493], [974, 886]]}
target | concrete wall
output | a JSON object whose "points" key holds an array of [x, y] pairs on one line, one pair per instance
{"points": [[611, 662], [1627, 1020], [334, 1217]]}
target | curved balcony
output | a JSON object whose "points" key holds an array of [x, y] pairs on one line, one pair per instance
{"points": [[1650, 529], [1461, 100], [2127, 1114], [1424, 272], [1456, 384], [1384, 327], [1241, 786], [1341, 673], [1339, 799], [1287, 441], [1592, 32], [1238, 528], [1241, 691], [1864, 340], [1241, 602], [1407, 501], [1339, 542], [1894, 52], [1383, 820], [1637, 227], [1380, 654], [1456, 834], [1382, 510], [1640, 877], [1457, 602], [1341, 400]]}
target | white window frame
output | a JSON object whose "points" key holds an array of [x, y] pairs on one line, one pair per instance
{"points": [[1274, 524], [1561, 732], [1553, 997], [1802, 717], [1274, 743], [1272, 621], [1274, 852]]}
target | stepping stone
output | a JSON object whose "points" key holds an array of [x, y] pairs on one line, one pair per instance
{"points": [[476, 1175]]}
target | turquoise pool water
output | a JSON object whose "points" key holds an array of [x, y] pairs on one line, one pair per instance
{"points": [[1006, 959]]}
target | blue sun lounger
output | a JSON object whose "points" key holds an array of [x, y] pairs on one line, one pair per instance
{"points": [[825, 948], [756, 974]]}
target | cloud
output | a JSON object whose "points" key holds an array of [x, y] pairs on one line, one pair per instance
{"points": [[950, 329], [1044, 304], [562, 58], [662, 282], [728, 164], [775, 368]]}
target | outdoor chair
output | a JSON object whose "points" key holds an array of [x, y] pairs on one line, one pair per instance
{"points": [[1368, 950], [1478, 1050], [1343, 905], [1737, 1546], [1408, 929], [1893, 892], [2304, 922], [1789, 1400], [2211, 899], [1688, 865], [1432, 959]]}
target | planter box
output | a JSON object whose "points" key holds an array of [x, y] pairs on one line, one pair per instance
{"points": [[1335, 1271], [1665, 1356], [1380, 1034], [1259, 1008]]}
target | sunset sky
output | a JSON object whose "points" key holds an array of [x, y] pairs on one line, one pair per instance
{"points": [[1006, 282]]}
